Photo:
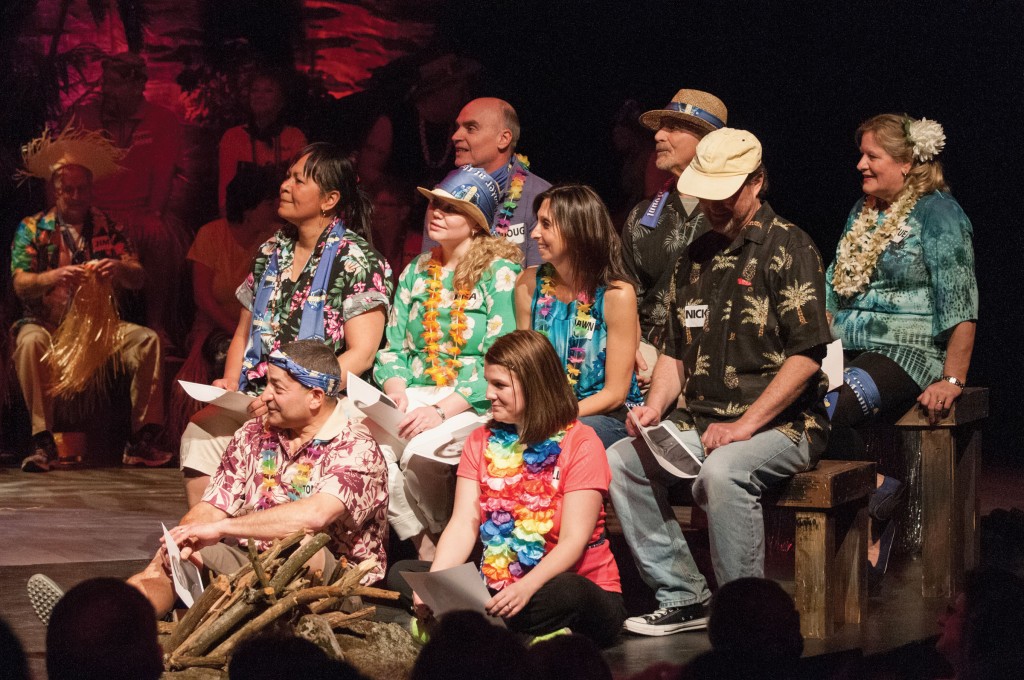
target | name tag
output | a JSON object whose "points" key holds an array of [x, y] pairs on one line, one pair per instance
{"points": [[556, 478], [584, 328], [516, 233], [902, 233], [695, 315]]}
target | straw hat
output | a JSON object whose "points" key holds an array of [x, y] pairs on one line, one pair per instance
{"points": [[470, 190], [724, 159], [698, 109], [48, 153]]}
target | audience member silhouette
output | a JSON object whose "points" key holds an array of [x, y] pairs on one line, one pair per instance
{"points": [[569, 657], [286, 657], [15, 665], [103, 629], [466, 646]]}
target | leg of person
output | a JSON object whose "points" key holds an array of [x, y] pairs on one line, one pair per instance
{"points": [[139, 350], [729, 488], [202, 444], [609, 429], [396, 582], [574, 602], [431, 485], [30, 346], [639, 494], [401, 514]]}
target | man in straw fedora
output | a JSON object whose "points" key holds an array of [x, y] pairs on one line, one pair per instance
{"points": [[744, 341], [486, 135], [51, 255], [657, 230]]}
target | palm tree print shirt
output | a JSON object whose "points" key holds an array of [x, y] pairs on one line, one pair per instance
{"points": [[740, 309]]}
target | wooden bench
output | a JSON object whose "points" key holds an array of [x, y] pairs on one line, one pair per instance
{"points": [[831, 540], [831, 504], [950, 454]]}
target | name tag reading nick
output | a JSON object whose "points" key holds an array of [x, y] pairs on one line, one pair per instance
{"points": [[695, 315], [516, 233]]}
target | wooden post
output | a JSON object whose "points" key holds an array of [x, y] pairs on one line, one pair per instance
{"points": [[815, 541], [950, 456]]}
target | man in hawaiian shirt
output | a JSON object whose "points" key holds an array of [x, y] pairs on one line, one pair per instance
{"points": [[303, 465], [656, 230], [51, 254], [486, 136], [744, 343]]}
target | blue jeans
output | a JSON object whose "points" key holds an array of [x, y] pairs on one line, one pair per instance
{"points": [[609, 429], [728, 488]]}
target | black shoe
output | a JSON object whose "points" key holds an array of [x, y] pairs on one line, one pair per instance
{"points": [[670, 620], [141, 448], [44, 453], [886, 498], [876, 572]]}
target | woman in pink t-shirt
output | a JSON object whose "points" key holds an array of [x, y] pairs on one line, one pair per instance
{"points": [[531, 486]]}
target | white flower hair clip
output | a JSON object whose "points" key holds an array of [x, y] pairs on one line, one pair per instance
{"points": [[927, 138]]}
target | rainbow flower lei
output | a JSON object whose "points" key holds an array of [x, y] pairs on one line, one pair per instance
{"points": [[299, 485], [577, 350], [518, 500], [443, 372], [515, 192]]}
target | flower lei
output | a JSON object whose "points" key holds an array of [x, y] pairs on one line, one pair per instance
{"points": [[299, 485], [515, 192], [518, 499], [864, 243], [926, 136], [443, 372], [577, 333]]}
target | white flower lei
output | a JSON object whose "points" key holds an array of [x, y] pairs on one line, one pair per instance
{"points": [[926, 136], [863, 244]]}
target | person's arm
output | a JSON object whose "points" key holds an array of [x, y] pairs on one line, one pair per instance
{"points": [[788, 384], [392, 366], [580, 511], [362, 338], [620, 315], [666, 385], [525, 285], [202, 289], [126, 273], [310, 514], [938, 397], [459, 536], [236, 352], [29, 286]]}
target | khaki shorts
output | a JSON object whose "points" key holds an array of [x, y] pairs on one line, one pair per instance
{"points": [[227, 559]]}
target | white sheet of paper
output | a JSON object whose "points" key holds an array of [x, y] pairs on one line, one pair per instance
{"points": [[452, 590], [658, 439], [832, 365], [377, 406], [188, 583], [236, 402]]}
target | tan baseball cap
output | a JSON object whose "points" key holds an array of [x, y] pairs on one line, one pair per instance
{"points": [[724, 159]]}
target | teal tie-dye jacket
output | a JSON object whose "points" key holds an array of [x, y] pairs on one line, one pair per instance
{"points": [[922, 287]]}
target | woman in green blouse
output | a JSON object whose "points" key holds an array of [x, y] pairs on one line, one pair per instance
{"points": [[451, 304]]}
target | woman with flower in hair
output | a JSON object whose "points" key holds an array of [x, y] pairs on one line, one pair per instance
{"points": [[583, 300], [531, 487], [451, 304], [901, 294]]}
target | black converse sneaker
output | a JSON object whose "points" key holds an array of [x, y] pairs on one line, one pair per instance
{"points": [[670, 620]]}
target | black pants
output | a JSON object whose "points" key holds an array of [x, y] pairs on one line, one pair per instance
{"points": [[566, 600], [897, 390]]}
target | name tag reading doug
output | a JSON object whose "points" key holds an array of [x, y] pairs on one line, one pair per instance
{"points": [[695, 315], [516, 233]]}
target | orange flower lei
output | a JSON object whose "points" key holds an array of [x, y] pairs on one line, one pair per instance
{"points": [[443, 372]]}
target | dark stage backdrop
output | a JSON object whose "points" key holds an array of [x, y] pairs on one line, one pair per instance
{"points": [[801, 75]]}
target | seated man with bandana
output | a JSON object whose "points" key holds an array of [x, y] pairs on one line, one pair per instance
{"points": [[303, 465]]}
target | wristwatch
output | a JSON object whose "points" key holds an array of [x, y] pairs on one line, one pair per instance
{"points": [[953, 380]]}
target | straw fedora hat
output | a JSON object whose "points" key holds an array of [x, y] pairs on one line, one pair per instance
{"points": [[698, 109], [469, 190]]}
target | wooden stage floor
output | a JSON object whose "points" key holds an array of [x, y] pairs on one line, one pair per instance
{"points": [[78, 524]]}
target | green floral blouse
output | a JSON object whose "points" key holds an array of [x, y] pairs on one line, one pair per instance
{"points": [[490, 313]]}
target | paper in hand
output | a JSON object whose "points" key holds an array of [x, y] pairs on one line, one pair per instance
{"points": [[451, 590], [236, 402], [188, 583]]}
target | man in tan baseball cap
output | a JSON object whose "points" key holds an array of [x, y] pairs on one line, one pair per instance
{"points": [[744, 341]]}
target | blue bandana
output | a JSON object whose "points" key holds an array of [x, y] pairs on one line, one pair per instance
{"points": [[330, 384]]}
